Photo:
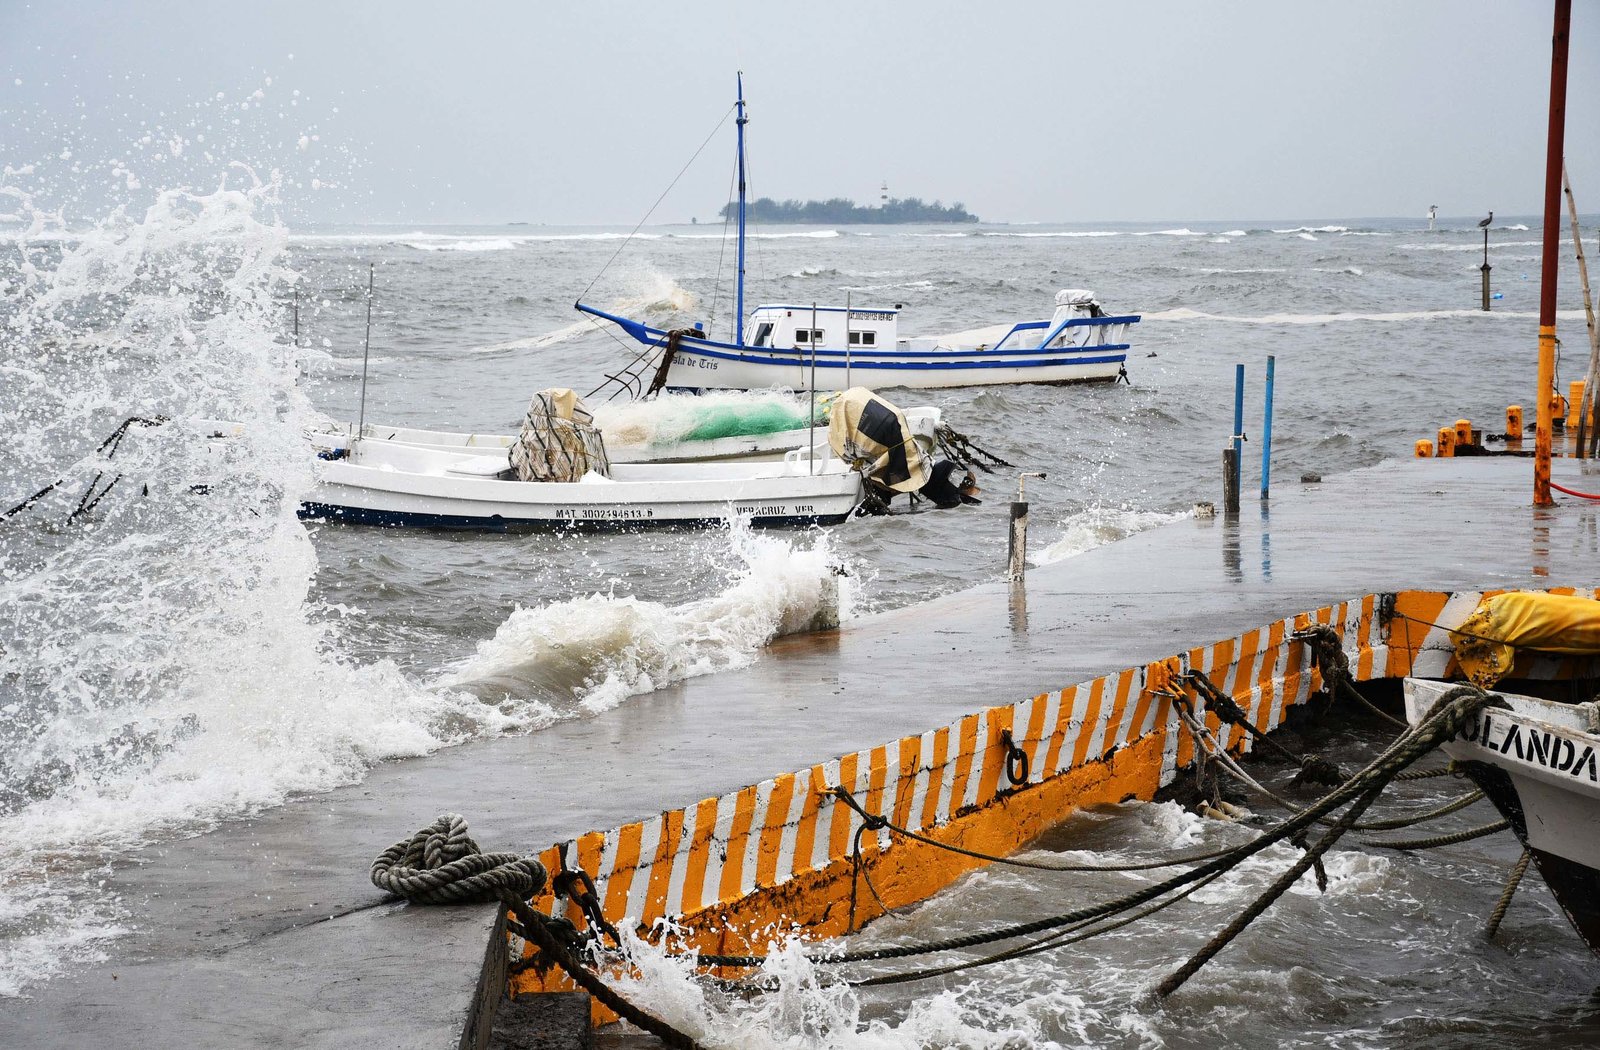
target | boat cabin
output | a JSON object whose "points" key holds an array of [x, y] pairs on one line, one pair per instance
{"points": [[822, 328]]}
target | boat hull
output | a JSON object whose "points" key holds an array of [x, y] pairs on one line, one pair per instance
{"points": [[1538, 762], [696, 369], [639, 497]]}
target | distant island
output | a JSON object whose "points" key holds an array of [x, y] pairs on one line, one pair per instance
{"points": [[842, 210]]}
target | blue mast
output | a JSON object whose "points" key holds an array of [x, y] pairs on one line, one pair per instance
{"points": [[738, 322]]}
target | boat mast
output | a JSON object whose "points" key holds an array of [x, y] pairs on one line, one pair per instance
{"points": [[1552, 243], [738, 317]]}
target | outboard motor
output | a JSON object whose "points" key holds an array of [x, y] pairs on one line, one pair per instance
{"points": [[946, 491]]}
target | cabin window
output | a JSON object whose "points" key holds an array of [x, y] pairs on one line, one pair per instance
{"points": [[863, 338], [808, 335], [762, 332]]}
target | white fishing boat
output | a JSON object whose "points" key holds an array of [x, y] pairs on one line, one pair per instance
{"points": [[1538, 762], [665, 429], [556, 475], [749, 448], [834, 348], [381, 483]]}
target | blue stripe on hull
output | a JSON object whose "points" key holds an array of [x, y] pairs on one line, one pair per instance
{"points": [[394, 519], [1030, 382], [917, 366]]}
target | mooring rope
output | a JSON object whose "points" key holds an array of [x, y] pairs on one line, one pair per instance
{"points": [[878, 821], [441, 864], [538, 929], [1442, 723], [1436, 841], [1519, 869], [1212, 747], [1328, 656], [1427, 774], [1065, 938]]}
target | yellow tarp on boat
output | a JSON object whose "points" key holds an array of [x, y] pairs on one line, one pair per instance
{"points": [[868, 432], [1486, 643]]}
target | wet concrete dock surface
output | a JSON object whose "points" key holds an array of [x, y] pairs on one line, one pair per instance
{"points": [[265, 932]]}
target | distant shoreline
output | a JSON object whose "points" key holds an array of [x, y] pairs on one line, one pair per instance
{"points": [[841, 210]]}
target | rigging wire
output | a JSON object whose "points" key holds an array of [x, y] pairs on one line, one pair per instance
{"points": [[722, 254], [626, 240]]}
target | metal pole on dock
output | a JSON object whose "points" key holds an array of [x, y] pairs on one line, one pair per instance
{"points": [[1552, 242], [1266, 431], [366, 351], [1017, 552], [813, 417], [847, 340], [1238, 410]]}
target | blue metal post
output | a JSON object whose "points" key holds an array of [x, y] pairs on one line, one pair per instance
{"points": [[738, 318], [1238, 413], [1266, 432]]}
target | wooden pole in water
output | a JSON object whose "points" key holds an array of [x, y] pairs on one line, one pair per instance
{"points": [[1586, 403], [1485, 268], [1552, 241], [1230, 481]]}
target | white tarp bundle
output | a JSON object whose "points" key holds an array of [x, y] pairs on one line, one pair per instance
{"points": [[1074, 297], [558, 441]]}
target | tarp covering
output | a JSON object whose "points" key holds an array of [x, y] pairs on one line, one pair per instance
{"points": [[867, 431], [1486, 643], [558, 441]]}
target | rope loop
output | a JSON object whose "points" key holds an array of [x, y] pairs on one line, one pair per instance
{"points": [[441, 864]]}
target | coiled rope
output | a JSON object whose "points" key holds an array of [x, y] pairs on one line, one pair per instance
{"points": [[441, 864]]}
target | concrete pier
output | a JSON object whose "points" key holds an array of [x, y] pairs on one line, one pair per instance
{"points": [[264, 932]]}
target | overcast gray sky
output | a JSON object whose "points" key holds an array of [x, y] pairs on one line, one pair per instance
{"points": [[583, 113]]}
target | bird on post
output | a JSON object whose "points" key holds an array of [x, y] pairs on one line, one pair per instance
{"points": [[1484, 223]]}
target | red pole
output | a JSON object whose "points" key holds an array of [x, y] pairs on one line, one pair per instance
{"points": [[1552, 245]]}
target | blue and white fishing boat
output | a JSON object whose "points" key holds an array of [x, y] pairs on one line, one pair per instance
{"points": [[834, 348]]}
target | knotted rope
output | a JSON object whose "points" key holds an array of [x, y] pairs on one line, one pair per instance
{"points": [[441, 864]]}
